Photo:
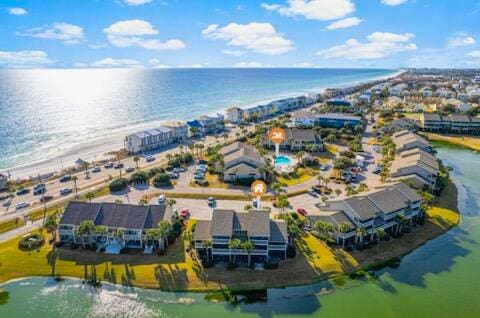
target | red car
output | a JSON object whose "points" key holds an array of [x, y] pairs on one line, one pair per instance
{"points": [[302, 211], [185, 213]]}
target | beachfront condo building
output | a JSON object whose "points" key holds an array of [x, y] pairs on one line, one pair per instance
{"points": [[241, 162], [3, 182], [212, 238], [376, 209], [298, 139], [148, 140], [234, 115], [124, 225], [179, 129]]}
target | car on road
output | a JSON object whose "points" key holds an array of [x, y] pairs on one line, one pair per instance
{"points": [[65, 178], [96, 169], [377, 169], [149, 158], [211, 201], [302, 211], [162, 199], [313, 193], [39, 190], [22, 191], [46, 198], [66, 191], [108, 165], [7, 203], [22, 205], [129, 169], [5, 197], [118, 165]]}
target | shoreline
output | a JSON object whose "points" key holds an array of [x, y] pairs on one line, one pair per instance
{"points": [[97, 148]]}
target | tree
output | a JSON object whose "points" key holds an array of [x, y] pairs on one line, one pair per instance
{"points": [[74, 179], [233, 244], [207, 245], [399, 219], [282, 202], [380, 233], [187, 237], [343, 228], [331, 138], [101, 231], [90, 196], [136, 159], [161, 180], [276, 187], [338, 192], [360, 233], [119, 233], [85, 166], [139, 177], [152, 235], [164, 229], [248, 246], [84, 229], [51, 225], [143, 200], [118, 185], [171, 202]]}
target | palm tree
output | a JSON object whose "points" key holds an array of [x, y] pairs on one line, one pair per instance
{"points": [[187, 237], [74, 179], [163, 230], [84, 229], [136, 159], [207, 244], [152, 235], [51, 225], [248, 246], [234, 244], [201, 147], [361, 231], [101, 231], [326, 181], [169, 157], [85, 166], [119, 234], [338, 192], [90, 196], [380, 232], [171, 202], [343, 228], [320, 179], [276, 187], [299, 155], [191, 147], [399, 219]]}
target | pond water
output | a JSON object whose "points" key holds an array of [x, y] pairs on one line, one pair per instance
{"points": [[439, 279]]}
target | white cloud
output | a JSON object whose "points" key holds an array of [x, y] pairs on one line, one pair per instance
{"points": [[344, 23], [379, 45], [136, 2], [155, 63], [133, 33], [314, 9], [116, 63], [259, 37], [17, 11], [65, 32], [235, 53], [393, 2], [461, 41], [252, 64], [98, 46], [24, 58], [474, 54]]}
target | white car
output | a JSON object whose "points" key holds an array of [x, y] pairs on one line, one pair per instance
{"points": [[96, 169], [129, 169], [22, 205], [162, 199], [7, 202]]}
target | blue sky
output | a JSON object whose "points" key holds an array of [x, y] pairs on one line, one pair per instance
{"points": [[267, 33]]}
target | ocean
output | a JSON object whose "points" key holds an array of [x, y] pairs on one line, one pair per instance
{"points": [[50, 111]]}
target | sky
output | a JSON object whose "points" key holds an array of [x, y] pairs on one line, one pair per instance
{"points": [[266, 33]]}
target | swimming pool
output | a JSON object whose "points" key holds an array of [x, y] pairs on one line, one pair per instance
{"points": [[282, 161]]}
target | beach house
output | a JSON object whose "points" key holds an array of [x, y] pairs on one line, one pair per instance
{"points": [[179, 129], [338, 120], [234, 115], [212, 124], [418, 167], [148, 140], [212, 238], [406, 140], [303, 118], [298, 139], [124, 225], [3, 182], [241, 162]]}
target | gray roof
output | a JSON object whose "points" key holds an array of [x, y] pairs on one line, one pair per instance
{"points": [[408, 192], [431, 117], [339, 116], [301, 134], [459, 118], [336, 218], [278, 231], [244, 151], [122, 215], [222, 221], [256, 223], [235, 146], [157, 213], [389, 200], [76, 212], [363, 207], [202, 231]]}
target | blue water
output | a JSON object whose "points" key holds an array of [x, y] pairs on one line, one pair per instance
{"points": [[282, 161], [44, 110]]}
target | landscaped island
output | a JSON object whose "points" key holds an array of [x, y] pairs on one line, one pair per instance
{"points": [[177, 270]]}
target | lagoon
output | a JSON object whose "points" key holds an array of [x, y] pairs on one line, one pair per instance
{"points": [[439, 279]]}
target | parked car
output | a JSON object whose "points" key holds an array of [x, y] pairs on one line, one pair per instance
{"points": [[313, 193], [302, 211], [108, 165], [178, 170], [324, 167], [5, 197], [7, 203], [377, 169], [149, 158], [162, 199], [118, 165], [202, 162], [173, 175], [129, 169], [185, 213], [211, 201], [39, 190], [65, 178], [46, 198], [316, 189], [22, 205], [198, 176], [96, 169], [255, 204], [66, 191], [22, 191]]}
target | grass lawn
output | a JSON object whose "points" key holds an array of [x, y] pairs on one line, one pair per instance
{"points": [[330, 149], [471, 142], [412, 115], [299, 176]]}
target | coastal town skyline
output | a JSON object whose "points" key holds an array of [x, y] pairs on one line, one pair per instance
{"points": [[185, 34]]}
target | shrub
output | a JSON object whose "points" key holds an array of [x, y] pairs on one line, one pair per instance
{"points": [[231, 266], [169, 168], [207, 263], [161, 180], [271, 265], [139, 177], [31, 242], [118, 185], [291, 251], [154, 171]]}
